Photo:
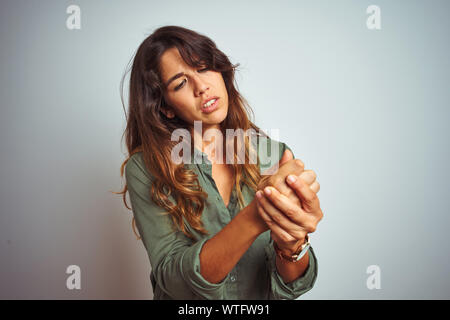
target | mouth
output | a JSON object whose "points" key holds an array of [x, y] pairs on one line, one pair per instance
{"points": [[210, 105]]}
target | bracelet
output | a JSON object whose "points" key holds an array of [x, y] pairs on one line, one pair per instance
{"points": [[297, 255]]}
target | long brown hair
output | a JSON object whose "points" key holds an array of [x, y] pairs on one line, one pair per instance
{"points": [[149, 131]]}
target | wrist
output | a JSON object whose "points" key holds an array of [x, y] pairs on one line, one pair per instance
{"points": [[256, 224], [292, 253], [288, 249]]}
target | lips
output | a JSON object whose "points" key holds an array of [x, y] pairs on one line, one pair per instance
{"points": [[212, 107], [203, 103]]}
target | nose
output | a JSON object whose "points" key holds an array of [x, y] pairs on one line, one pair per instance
{"points": [[200, 86]]}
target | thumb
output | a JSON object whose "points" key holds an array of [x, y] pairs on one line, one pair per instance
{"points": [[287, 155]]}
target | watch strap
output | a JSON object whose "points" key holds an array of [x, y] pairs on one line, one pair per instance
{"points": [[296, 256]]}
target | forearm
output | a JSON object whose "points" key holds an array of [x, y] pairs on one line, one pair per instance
{"points": [[290, 271], [220, 254]]}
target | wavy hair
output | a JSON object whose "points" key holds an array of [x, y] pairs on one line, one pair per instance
{"points": [[149, 131]]}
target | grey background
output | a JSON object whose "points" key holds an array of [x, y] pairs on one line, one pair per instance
{"points": [[365, 109]]}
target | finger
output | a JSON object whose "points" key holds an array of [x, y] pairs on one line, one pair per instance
{"points": [[273, 226], [315, 186], [309, 199], [293, 166], [308, 176], [293, 227], [292, 217]]}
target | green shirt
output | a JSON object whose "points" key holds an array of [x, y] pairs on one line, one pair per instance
{"points": [[175, 259]]}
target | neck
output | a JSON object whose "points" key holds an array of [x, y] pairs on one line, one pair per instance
{"points": [[208, 146]]}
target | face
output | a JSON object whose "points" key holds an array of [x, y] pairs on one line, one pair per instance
{"points": [[186, 94]]}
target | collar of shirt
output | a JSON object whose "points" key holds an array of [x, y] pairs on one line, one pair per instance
{"points": [[200, 161]]}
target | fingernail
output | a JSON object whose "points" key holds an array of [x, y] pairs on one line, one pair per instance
{"points": [[267, 191], [259, 194], [291, 178]]}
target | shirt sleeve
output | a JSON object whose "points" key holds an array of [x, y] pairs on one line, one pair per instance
{"points": [[174, 258], [280, 290]]}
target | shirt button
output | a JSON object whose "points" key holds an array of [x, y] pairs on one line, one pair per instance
{"points": [[233, 278]]}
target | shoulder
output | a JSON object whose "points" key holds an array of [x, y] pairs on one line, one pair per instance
{"points": [[269, 147], [269, 151], [135, 167]]}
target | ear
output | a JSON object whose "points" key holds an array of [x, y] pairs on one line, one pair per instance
{"points": [[169, 113]]}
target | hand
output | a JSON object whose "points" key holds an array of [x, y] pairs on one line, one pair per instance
{"points": [[276, 175], [289, 219]]}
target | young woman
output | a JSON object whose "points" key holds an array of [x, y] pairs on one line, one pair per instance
{"points": [[208, 233]]}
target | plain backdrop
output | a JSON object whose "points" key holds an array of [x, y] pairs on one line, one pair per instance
{"points": [[367, 110]]}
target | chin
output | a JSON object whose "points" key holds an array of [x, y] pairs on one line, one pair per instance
{"points": [[216, 118], [221, 118]]}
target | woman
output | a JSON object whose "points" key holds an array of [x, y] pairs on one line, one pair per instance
{"points": [[206, 233]]}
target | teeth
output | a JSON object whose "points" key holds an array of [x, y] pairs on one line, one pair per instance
{"points": [[210, 102]]}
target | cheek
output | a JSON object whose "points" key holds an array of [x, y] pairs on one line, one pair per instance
{"points": [[176, 102], [224, 90], [168, 100]]}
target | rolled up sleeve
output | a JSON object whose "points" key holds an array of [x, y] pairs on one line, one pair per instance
{"points": [[175, 258], [191, 272], [279, 290]]}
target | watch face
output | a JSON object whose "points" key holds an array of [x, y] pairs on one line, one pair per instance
{"points": [[301, 254]]}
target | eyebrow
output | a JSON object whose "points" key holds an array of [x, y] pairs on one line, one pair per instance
{"points": [[174, 78]]}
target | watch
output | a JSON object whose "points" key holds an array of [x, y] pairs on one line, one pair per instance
{"points": [[297, 255]]}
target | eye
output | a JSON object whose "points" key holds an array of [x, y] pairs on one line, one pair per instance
{"points": [[180, 85], [182, 82]]}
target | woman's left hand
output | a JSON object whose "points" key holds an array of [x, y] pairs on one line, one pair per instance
{"points": [[288, 221]]}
